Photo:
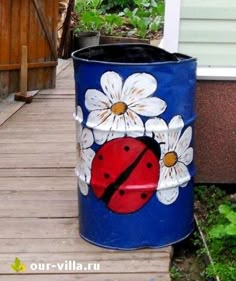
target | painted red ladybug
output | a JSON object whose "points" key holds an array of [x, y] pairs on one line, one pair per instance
{"points": [[125, 173]]}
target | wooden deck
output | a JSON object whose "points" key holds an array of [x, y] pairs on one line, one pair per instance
{"points": [[38, 199]]}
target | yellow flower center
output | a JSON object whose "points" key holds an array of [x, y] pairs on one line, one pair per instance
{"points": [[170, 159], [119, 108]]}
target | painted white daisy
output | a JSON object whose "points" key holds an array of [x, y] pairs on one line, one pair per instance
{"points": [[115, 111], [176, 155], [85, 154]]}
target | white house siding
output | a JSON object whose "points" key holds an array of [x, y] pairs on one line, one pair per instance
{"points": [[208, 31]]}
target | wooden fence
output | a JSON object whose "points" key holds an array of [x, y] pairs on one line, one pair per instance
{"points": [[31, 23]]}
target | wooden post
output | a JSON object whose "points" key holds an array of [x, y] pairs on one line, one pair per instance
{"points": [[24, 71], [22, 96]]}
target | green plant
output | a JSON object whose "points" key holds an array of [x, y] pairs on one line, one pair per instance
{"points": [[111, 21], [116, 5], [226, 228], [89, 15], [175, 274], [146, 18], [217, 214]]}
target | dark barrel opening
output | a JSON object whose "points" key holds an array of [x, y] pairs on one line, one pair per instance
{"points": [[127, 53]]}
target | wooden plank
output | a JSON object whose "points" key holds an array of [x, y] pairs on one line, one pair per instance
{"points": [[129, 262], [48, 97], [66, 127], [39, 195], [8, 107], [38, 209], [53, 174], [69, 84], [34, 182], [49, 160], [37, 137], [44, 24], [24, 71], [57, 130], [4, 46], [22, 148], [57, 92], [38, 228], [16, 66], [54, 103], [24, 22], [38, 108], [41, 117], [71, 245], [91, 277], [62, 65]]}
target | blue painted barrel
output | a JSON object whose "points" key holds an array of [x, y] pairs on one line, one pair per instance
{"points": [[134, 115]]}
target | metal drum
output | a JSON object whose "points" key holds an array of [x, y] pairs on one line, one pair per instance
{"points": [[134, 115]]}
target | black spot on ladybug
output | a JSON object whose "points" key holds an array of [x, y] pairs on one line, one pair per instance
{"points": [[149, 165], [100, 157], [107, 176], [143, 196], [121, 192], [127, 148]]}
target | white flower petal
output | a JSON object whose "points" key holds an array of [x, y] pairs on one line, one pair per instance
{"points": [[182, 173], [149, 106], [79, 129], [111, 83], [95, 100], [102, 131], [118, 128], [138, 86], [175, 126], [86, 138], [184, 141], [187, 156], [168, 196], [100, 118], [134, 124], [79, 114], [158, 127], [114, 135], [168, 178], [88, 155], [84, 171], [100, 136], [83, 187]]}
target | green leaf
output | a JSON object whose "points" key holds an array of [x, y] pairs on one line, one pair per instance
{"points": [[224, 209], [17, 262], [231, 216], [15, 268], [231, 230], [217, 231]]}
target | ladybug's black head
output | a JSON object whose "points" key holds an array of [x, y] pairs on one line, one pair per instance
{"points": [[151, 144]]}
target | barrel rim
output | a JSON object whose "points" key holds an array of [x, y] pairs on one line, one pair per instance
{"points": [[185, 58]]}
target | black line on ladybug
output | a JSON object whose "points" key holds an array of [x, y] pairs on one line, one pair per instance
{"points": [[111, 189], [152, 144]]}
